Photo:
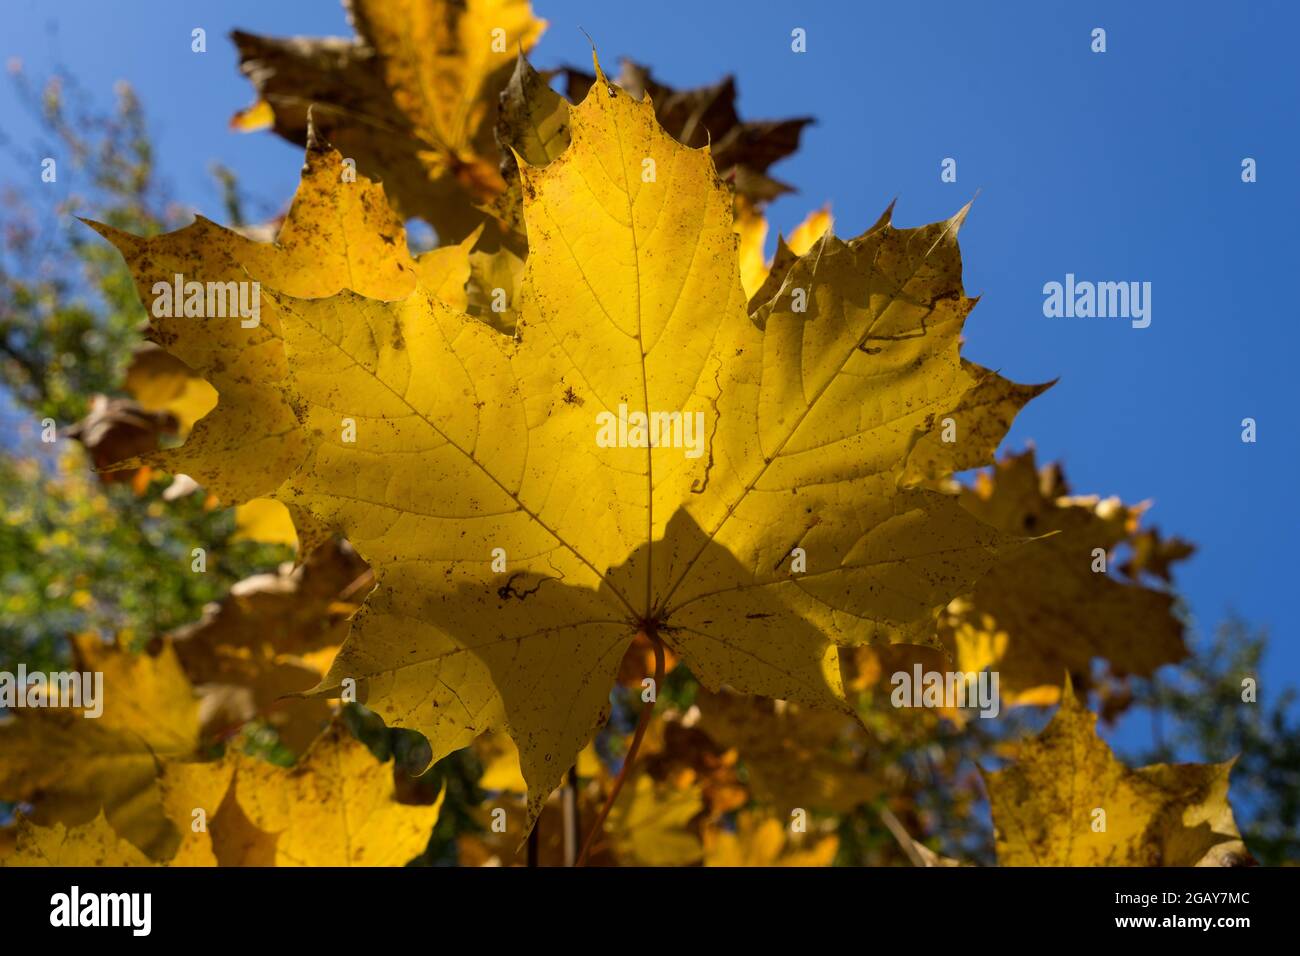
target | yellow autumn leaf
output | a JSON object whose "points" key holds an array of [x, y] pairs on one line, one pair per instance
{"points": [[253, 118], [334, 807], [1066, 801], [814, 225], [265, 520], [236, 840], [533, 122], [118, 429], [765, 527], [413, 98], [650, 824], [70, 766], [271, 638], [794, 757], [495, 279], [1154, 555], [751, 230], [742, 150], [160, 382], [763, 841], [94, 843], [675, 749], [968, 434], [500, 758], [751, 227], [872, 670], [339, 233], [192, 793], [1051, 607]]}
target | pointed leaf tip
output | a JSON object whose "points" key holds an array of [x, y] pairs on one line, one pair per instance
{"points": [[315, 141], [595, 59], [886, 218], [959, 217]]}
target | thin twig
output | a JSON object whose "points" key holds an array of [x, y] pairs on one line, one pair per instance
{"points": [[572, 824], [363, 580], [901, 835]]}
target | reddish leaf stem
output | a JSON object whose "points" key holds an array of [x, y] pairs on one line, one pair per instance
{"points": [[642, 723]]}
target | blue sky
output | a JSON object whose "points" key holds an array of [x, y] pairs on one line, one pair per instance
{"points": [[1121, 166]]}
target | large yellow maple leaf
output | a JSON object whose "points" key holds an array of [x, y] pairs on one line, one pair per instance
{"points": [[1066, 801], [532, 122], [340, 233], [770, 524], [742, 150]]}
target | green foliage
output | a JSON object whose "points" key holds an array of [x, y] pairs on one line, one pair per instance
{"points": [[79, 556], [75, 554], [68, 311]]}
